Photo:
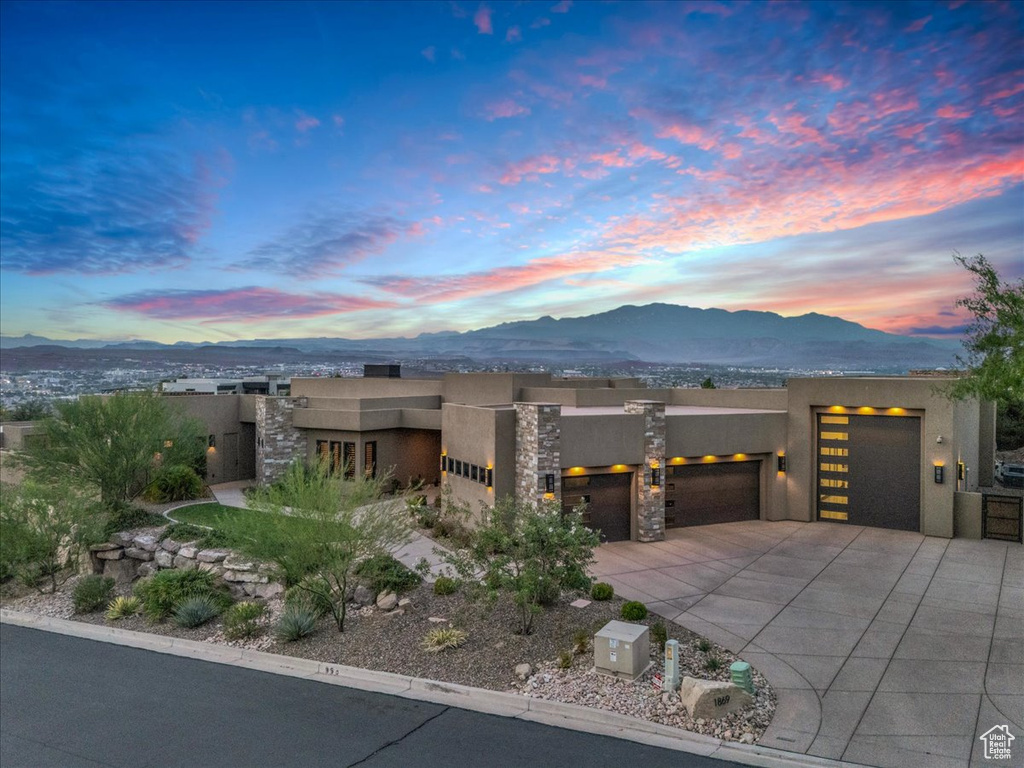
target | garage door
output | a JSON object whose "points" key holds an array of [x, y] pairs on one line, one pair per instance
{"points": [[608, 502], [701, 494], [868, 470]]}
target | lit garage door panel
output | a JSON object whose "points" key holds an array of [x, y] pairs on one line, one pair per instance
{"points": [[608, 502], [702, 494], [868, 470]]}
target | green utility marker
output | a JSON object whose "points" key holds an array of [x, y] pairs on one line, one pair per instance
{"points": [[741, 676]]}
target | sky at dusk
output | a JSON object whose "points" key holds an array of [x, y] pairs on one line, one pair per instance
{"points": [[206, 171]]}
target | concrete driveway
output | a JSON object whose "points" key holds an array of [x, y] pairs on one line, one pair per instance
{"points": [[886, 648]]}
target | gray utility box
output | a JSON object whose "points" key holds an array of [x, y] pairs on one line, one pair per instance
{"points": [[622, 650]]}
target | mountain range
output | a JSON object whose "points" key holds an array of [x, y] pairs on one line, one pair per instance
{"points": [[654, 333]]}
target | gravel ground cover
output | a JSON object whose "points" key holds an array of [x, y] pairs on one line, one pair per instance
{"points": [[391, 642]]}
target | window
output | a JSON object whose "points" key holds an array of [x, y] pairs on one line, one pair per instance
{"points": [[473, 473], [350, 461], [835, 436], [825, 451], [370, 458]]}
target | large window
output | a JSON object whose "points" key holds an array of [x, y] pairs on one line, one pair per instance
{"points": [[370, 458]]}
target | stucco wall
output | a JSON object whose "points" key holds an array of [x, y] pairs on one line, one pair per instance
{"points": [[480, 436], [408, 454], [490, 388], [594, 440], [359, 387], [725, 434], [770, 399], [220, 416]]}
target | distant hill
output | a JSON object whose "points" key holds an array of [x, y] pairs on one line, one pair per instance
{"points": [[656, 333]]}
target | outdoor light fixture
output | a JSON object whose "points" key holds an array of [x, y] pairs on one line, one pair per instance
{"points": [[489, 477], [959, 470], [940, 473], [444, 462], [655, 477], [212, 442], [549, 483], [781, 462]]}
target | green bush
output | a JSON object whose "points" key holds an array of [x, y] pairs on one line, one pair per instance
{"points": [[196, 611], [91, 592], [125, 518], [703, 645], [441, 639], [242, 620], [634, 610], [565, 659], [602, 591], [185, 532], [294, 624], [123, 607], [713, 664], [659, 634], [445, 585], [311, 594], [163, 591], [384, 573], [176, 482]]}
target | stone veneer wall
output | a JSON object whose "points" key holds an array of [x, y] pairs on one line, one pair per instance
{"points": [[278, 443], [650, 503], [538, 449]]}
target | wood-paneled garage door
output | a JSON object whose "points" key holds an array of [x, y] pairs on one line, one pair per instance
{"points": [[701, 494], [869, 470], [608, 500]]}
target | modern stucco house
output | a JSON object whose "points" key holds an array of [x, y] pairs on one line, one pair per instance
{"points": [[888, 452]]}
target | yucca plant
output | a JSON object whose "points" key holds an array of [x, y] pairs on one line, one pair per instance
{"points": [[195, 611], [242, 619], [441, 639], [123, 607], [294, 624]]}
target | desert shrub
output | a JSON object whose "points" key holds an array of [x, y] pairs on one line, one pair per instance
{"points": [[659, 634], [242, 619], [580, 641], [92, 592], [443, 638], [185, 532], [713, 664], [294, 624], [703, 645], [602, 591], [196, 611], [424, 514], [565, 659], [176, 482], [445, 585], [163, 591], [123, 607], [125, 518], [384, 573], [311, 594], [634, 610]]}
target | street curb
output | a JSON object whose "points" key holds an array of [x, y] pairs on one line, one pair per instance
{"points": [[553, 713]]}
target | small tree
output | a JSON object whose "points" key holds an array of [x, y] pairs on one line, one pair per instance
{"points": [[343, 522], [995, 337], [111, 443], [534, 552], [44, 532], [708, 384]]}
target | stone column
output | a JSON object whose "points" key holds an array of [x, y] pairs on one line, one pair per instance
{"points": [[650, 501], [538, 449], [278, 443]]}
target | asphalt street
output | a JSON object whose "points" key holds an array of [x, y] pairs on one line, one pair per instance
{"points": [[74, 703]]}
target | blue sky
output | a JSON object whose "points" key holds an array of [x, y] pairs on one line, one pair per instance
{"points": [[191, 171]]}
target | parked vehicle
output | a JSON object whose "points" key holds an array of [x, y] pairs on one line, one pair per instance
{"points": [[1010, 475]]}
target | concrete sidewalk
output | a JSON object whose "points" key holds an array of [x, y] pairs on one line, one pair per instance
{"points": [[886, 648]]}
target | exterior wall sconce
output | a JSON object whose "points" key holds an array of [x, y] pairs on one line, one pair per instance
{"points": [[781, 462], [940, 474], [444, 463], [549, 483], [655, 477], [212, 442], [489, 477]]}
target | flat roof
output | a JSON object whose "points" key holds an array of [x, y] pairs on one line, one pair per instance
{"points": [[670, 410]]}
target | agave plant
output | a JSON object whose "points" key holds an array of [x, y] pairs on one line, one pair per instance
{"points": [[123, 607]]}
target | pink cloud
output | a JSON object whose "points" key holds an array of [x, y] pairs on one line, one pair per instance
{"points": [[687, 134], [593, 81], [306, 122], [338, 120], [429, 53], [530, 169], [482, 19], [562, 7], [514, 35], [235, 304], [831, 81], [909, 131], [505, 108], [953, 113], [796, 125], [540, 22], [918, 25]]}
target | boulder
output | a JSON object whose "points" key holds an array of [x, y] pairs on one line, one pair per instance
{"points": [[235, 563], [212, 555], [387, 601], [242, 576], [189, 550], [185, 563], [213, 568], [396, 612], [105, 547], [363, 595], [523, 671], [147, 569], [266, 591], [405, 602], [146, 542], [170, 545], [111, 554], [135, 553], [124, 538], [121, 571], [163, 558], [711, 699]]}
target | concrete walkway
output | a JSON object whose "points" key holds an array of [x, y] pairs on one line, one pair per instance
{"points": [[886, 648]]}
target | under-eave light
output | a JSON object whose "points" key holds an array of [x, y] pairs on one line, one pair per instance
{"points": [[489, 477], [655, 477], [212, 442], [940, 474], [781, 462], [549, 483]]}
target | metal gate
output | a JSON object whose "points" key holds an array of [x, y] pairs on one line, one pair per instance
{"points": [[1002, 517]]}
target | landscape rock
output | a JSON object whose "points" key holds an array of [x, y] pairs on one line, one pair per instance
{"points": [[712, 699], [747, 738], [437, 620], [124, 538], [396, 612], [405, 602], [135, 553], [235, 563], [386, 601], [163, 558], [111, 554], [170, 545], [363, 595], [266, 591], [105, 547], [121, 571], [185, 563], [146, 542], [146, 569], [212, 555], [242, 576], [213, 568], [188, 550], [523, 671]]}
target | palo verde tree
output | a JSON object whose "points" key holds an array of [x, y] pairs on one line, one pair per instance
{"points": [[113, 444], [994, 344], [533, 552], [318, 527]]}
